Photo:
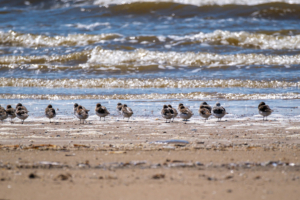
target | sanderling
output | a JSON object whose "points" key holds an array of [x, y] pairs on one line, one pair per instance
{"points": [[185, 113], [23, 107], [264, 110], [50, 112], [205, 105], [166, 113], [173, 111], [204, 112], [101, 111], [126, 112], [3, 114], [22, 113], [218, 111], [82, 113], [11, 112], [75, 108], [119, 108], [181, 104]]}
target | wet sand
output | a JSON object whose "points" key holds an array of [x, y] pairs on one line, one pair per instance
{"points": [[238, 159]]}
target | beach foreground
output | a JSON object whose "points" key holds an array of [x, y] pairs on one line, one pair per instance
{"points": [[148, 159]]}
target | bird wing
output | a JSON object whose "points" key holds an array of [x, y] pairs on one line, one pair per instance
{"points": [[10, 111], [129, 110], [218, 110], [265, 108], [204, 111], [185, 111], [2, 111], [165, 111], [105, 110], [20, 112]]}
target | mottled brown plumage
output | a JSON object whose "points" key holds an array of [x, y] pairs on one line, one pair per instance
{"points": [[184, 112], [264, 110], [50, 112], [204, 112], [101, 111], [11, 112], [205, 105], [173, 111], [82, 113], [126, 112], [119, 108], [218, 111], [166, 113], [3, 114], [22, 113]]}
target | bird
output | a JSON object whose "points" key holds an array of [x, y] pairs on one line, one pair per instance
{"points": [[126, 112], [166, 113], [218, 111], [264, 110], [185, 113], [181, 104], [23, 107], [22, 113], [11, 112], [82, 113], [3, 114], [173, 111], [101, 111], [50, 112], [119, 108], [205, 105], [75, 108], [205, 110]]}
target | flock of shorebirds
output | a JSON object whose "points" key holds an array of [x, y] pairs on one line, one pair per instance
{"points": [[167, 112]]}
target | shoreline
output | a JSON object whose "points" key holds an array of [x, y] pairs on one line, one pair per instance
{"points": [[148, 158]]}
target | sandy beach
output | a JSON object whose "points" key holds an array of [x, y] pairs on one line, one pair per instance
{"points": [[147, 158], [149, 54]]}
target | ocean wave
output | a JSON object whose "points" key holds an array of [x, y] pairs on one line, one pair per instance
{"points": [[274, 9], [243, 39], [141, 59], [218, 37], [145, 57], [12, 38], [15, 61], [156, 96], [142, 83]]}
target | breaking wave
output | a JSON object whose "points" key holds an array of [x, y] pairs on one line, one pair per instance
{"points": [[12, 38], [142, 83], [142, 59], [242, 39], [193, 95], [145, 57]]}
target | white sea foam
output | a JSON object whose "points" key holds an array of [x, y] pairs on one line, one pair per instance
{"points": [[244, 39], [91, 26], [31, 40], [145, 57]]}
